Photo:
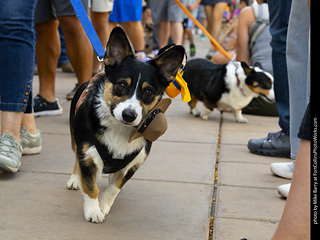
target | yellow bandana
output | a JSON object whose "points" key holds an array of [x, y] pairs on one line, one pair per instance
{"points": [[178, 86]]}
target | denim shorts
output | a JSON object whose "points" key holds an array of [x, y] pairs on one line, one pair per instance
{"points": [[17, 51]]}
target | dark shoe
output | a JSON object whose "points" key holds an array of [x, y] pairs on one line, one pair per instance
{"points": [[42, 107], [70, 94], [66, 67], [192, 50], [276, 144]]}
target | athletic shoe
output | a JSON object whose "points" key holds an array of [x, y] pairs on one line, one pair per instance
{"points": [[284, 169], [10, 153], [70, 94], [284, 189], [31, 143], [276, 144], [192, 49], [66, 67], [42, 107]]}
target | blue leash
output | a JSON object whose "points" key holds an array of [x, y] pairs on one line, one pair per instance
{"points": [[87, 26]]}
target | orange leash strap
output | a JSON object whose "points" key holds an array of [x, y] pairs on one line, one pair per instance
{"points": [[213, 41]]}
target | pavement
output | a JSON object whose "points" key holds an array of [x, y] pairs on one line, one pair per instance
{"points": [[199, 182]]}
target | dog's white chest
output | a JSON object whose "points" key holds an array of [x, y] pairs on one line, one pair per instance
{"points": [[116, 139], [234, 100]]}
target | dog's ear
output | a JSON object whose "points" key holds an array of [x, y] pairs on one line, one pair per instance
{"points": [[118, 47], [247, 70], [170, 61]]}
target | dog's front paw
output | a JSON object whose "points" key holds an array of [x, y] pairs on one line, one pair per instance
{"points": [[92, 211], [241, 120], [74, 182], [239, 117], [204, 117], [94, 216], [195, 112], [105, 208]]}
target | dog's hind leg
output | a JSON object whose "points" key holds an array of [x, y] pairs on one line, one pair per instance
{"points": [[117, 181]]}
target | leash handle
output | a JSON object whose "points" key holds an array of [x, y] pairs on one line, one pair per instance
{"points": [[213, 41], [87, 26]]}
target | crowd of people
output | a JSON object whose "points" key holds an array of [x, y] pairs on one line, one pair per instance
{"points": [[273, 35]]}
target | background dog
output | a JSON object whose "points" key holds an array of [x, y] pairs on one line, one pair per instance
{"points": [[228, 87], [116, 101]]}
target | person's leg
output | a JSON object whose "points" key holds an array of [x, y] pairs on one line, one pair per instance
{"points": [[10, 123], [279, 17], [295, 220], [135, 34], [163, 33], [47, 52], [208, 9], [176, 32], [217, 13], [100, 23], [16, 73], [297, 59], [79, 49]]}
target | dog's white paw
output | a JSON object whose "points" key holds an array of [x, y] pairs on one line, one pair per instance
{"points": [[105, 208], [241, 120], [92, 212], [74, 182], [195, 112], [94, 216], [204, 117]]}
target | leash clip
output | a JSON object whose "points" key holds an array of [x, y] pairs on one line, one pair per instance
{"points": [[100, 59]]}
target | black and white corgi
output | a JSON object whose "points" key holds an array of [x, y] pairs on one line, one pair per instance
{"points": [[227, 87], [116, 101]]}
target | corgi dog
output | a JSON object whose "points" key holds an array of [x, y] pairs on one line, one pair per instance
{"points": [[227, 87], [101, 123]]}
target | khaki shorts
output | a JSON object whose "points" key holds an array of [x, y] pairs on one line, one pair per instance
{"points": [[166, 10], [101, 5]]}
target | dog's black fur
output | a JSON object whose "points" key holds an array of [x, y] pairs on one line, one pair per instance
{"points": [[117, 101], [229, 87]]}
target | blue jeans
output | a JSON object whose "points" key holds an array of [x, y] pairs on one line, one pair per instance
{"points": [[298, 68], [17, 50], [279, 11]]}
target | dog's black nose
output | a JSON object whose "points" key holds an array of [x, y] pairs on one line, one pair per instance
{"points": [[129, 115]]}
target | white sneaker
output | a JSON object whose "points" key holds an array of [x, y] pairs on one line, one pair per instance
{"points": [[284, 169], [284, 189], [10, 153]]}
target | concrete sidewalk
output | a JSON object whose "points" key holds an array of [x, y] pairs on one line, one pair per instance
{"points": [[172, 196]]}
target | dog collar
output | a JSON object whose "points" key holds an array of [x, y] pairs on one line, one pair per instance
{"points": [[238, 80], [154, 124]]}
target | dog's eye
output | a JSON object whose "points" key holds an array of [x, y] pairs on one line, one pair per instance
{"points": [[121, 86], [148, 92]]}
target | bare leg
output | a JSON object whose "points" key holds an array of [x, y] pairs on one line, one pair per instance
{"points": [[47, 52], [78, 46], [163, 33], [218, 11], [214, 18], [10, 123], [295, 220], [29, 123], [100, 23], [135, 34], [176, 32]]}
